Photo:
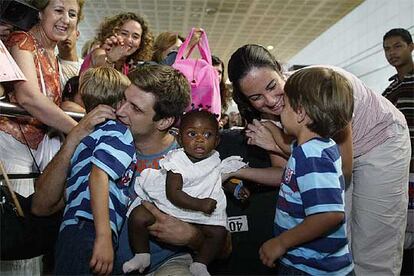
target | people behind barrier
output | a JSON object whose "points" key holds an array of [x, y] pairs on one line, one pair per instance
{"points": [[40, 95], [125, 39]]}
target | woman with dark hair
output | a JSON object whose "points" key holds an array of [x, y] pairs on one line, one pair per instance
{"points": [[125, 40], [71, 98], [375, 152], [224, 122], [225, 95], [243, 60]]}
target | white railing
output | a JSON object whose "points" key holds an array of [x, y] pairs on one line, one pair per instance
{"points": [[12, 110]]}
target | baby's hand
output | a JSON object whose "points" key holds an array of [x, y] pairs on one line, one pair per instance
{"points": [[240, 192], [208, 205], [244, 193]]}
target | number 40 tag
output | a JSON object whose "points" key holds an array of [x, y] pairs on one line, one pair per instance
{"points": [[238, 224]]}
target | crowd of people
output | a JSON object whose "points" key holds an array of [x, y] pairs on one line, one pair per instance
{"points": [[140, 185]]}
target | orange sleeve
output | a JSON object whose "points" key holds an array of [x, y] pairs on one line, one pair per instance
{"points": [[22, 39]]}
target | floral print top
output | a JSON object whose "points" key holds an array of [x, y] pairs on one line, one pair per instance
{"points": [[32, 130]]}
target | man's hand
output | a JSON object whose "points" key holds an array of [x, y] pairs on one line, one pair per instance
{"points": [[172, 230], [103, 255], [244, 194], [271, 250]]}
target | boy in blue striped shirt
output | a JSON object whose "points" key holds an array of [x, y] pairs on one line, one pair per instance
{"points": [[97, 187], [310, 229]]}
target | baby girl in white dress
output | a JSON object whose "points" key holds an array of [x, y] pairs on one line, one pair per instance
{"points": [[192, 191]]}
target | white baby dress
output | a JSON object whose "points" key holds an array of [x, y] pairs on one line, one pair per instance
{"points": [[201, 180]]}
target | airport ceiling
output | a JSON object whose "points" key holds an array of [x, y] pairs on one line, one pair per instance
{"points": [[287, 25]]}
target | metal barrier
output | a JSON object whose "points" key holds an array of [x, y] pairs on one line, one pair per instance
{"points": [[12, 110]]}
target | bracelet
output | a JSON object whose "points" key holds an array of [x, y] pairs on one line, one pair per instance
{"points": [[236, 192]]}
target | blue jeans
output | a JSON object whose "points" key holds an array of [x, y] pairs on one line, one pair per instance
{"points": [[74, 249], [285, 270], [289, 270]]}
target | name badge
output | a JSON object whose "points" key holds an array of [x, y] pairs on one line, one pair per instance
{"points": [[237, 224]]}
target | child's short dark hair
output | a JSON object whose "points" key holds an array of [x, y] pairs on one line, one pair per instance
{"points": [[200, 113], [102, 85], [403, 33], [71, 89], [325, 95]]}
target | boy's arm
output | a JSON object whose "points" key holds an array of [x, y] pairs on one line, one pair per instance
{"points": [[344, 141], [103, 254], [270, 176], [278, 160], [311, 228], [50, 186], [175, 194]]}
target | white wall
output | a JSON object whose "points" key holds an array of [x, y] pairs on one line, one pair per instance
{"points": [[355, 42]]}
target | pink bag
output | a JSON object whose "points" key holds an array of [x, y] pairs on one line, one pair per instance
{"points": [[203, 78]]}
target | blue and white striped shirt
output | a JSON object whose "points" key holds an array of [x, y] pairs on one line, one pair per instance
{"points": [[313, 183], [111, 148]]}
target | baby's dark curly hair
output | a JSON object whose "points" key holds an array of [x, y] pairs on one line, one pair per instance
{"points": [[204, 114]]}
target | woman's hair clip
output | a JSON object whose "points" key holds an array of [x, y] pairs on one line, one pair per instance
{"points": [[70, 89], [200, 107]]}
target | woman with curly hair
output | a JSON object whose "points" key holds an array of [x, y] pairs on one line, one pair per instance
{"points": [[125, 39]]}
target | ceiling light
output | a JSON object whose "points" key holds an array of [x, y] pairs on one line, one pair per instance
{"points": [[210, 11], [270, 47]]}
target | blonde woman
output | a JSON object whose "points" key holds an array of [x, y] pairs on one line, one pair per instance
{"points": [[40, 95]]}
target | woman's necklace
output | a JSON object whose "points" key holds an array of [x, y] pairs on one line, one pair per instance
{"points": [[51, 58], [40, 36]]}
